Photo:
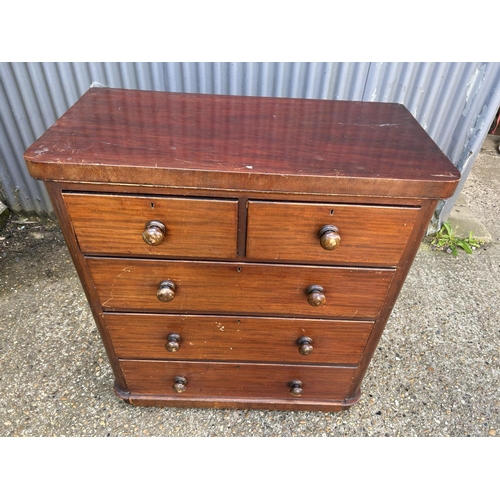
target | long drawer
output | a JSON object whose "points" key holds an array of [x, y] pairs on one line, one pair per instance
{"points": [[263, 381], [368, 235], [232, 338], [270, 290], [192, 227]]}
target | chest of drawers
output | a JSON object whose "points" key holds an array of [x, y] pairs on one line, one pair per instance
{"points": [[240, 252]]}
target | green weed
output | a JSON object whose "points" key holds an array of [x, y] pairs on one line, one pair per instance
{"points": [[446, 240]]}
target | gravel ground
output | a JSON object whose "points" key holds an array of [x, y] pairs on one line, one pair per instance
{"points": [[436, 371]]}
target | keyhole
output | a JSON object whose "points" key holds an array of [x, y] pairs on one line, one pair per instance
{"points": [[152, 205]]}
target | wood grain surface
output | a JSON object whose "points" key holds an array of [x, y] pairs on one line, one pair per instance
{"points": [[114, 225], [220, 338], [370, 235], [254, 143], [263, 381], [217, 287]]}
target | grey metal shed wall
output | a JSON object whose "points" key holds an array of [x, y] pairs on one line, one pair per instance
{"points": [[454, 102]]}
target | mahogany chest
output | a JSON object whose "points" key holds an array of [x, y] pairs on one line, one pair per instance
{"points": [[240, 252]]}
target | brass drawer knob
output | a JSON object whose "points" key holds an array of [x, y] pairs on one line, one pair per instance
{"points": [[305, 346], [295, 388], [179, 384], [154, 234], [173, 342], [166, 291], [329, 237], [315, 295]]}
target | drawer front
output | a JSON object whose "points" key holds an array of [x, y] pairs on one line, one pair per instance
{"points": [[369, 235], [273, 290], [107, 224], [220, 338], [236, 380]]}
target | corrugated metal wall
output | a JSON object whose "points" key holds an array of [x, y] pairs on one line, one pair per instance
{"points": [[454, 102]]}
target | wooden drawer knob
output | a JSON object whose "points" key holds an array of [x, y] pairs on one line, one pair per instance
{"points": [[295, 388], [154, 234], [173, 342], [305, 346], [179, 384], [166, 291], [329, 237], [315, 295]]}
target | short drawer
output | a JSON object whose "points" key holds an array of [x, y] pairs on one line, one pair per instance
{"points": [[263, 381], [230, 338], [369, 235], [221, 287], [109, 224]]}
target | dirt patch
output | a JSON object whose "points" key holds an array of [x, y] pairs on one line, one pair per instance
{"points": [[31, 248]]}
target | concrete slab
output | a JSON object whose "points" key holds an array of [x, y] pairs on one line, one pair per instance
{"points": [[491, 145], [4, 215], [463, 218], [464, 222]]}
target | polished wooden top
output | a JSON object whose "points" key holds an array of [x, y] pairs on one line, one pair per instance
{"points": [[250, 143]]}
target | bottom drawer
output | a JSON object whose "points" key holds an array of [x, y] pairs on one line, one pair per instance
{"points": [[242, 380]]}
